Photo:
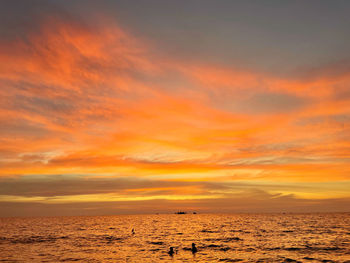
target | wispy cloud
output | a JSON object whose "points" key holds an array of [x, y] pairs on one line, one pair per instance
{"points": [[96, 100]]}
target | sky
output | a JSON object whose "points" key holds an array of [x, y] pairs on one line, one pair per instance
{"points": [[124, 107]]}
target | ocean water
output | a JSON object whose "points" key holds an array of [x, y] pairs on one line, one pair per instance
{"points": [[218, 237]]}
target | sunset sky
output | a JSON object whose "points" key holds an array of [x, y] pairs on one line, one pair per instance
{"points": [[111, 107]]}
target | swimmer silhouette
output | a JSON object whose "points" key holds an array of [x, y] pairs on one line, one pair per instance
{"points": [[194, 249], [171, 251], [133, 231]]}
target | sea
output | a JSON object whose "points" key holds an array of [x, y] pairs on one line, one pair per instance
{"points": [[323, 237]]}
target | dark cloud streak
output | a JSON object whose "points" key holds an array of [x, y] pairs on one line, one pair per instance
{"points": [[258, 204]]}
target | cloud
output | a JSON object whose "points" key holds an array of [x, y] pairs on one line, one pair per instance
{"points": [[227, 205], [272, 103], [63, 185], [90, 99]]}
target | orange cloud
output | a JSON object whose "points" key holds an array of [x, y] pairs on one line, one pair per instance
{"points": [[97, 101]]}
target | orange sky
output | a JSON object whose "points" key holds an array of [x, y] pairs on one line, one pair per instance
{"points": [[93, 114]]}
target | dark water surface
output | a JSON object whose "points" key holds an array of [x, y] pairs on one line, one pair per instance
{"points": [[219, 238]]}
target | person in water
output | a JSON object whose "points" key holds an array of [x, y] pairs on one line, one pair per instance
{"points": [[171, 251], [194, 249], [133, 231]]}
